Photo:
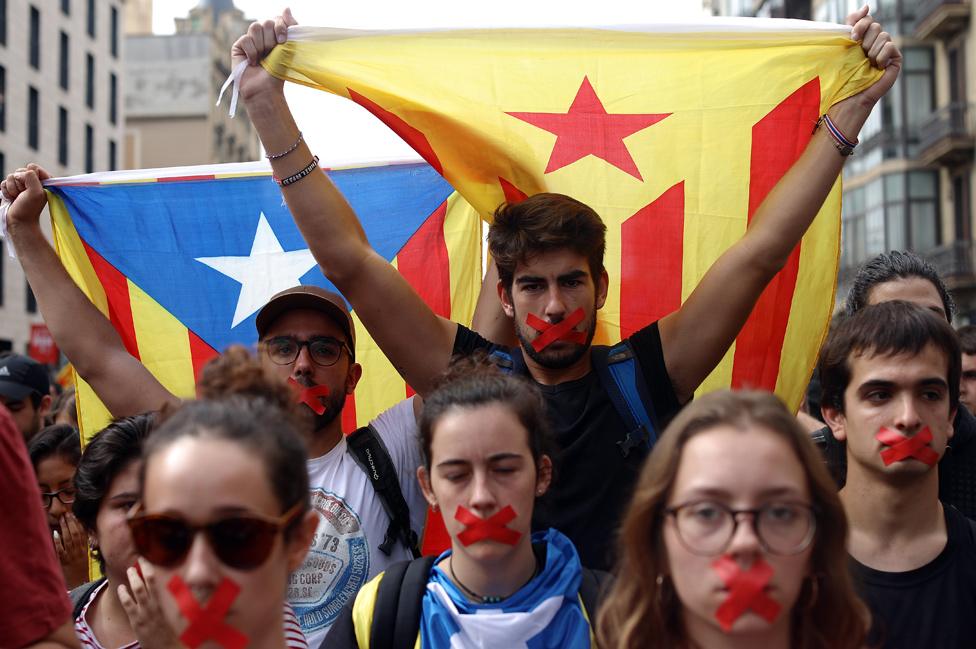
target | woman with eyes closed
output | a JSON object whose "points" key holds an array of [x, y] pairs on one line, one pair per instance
{"points": [[735, 537], [483, 436]]}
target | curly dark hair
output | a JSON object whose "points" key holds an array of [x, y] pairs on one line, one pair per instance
{"points": [[889, 266]]}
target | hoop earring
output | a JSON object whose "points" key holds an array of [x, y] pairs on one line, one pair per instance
{"points": [[814, 592]]}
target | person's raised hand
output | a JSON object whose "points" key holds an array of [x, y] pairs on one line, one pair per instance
{"points": [[253, 46], [24, 190], [72, 548], [880, 50]]}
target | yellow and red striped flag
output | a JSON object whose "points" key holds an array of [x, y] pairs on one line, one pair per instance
{"points": [[673, 134], [145, 247]]}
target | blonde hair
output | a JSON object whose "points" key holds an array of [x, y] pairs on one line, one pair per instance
{"points": [[642, 611]]}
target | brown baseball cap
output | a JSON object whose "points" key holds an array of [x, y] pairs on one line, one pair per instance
{"points": [[308, 297]]}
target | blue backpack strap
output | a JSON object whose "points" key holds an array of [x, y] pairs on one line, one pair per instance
{"points": [[623, 381], [502, 359]]}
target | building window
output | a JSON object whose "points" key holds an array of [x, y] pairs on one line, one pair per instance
{"points": [[89, 80], [66, 7], [91, 18], [35, 38], [31, 300], [3, 98], [3, 22], [961, 205], [63, 135], [89, 149], [113, 97], [33, 118], [114, 42], [63, 65], [112, 154]]}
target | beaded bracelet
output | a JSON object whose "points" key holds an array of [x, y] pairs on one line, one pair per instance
{"points": [[294, 178], [844, 145], [275, 156]]}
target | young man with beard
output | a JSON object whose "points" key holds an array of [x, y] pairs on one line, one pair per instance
{"points": [[25, 389], [890, 376], [306, 335], [549, 251]]}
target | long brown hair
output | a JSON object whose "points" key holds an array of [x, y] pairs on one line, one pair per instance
{"points": [[642, 611]]}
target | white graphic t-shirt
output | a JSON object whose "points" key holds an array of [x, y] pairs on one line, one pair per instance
{"points": [[345, 551]]}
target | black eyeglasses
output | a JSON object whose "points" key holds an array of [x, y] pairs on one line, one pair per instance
{"points": [[323, 350], [241, 541], [66, 496], [706, 528]]}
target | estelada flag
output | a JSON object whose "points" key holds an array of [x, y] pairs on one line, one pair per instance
{"points": [[181, 260], [674, 134]]}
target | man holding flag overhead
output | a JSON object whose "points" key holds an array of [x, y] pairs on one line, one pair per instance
{"points": [[549, 249]]}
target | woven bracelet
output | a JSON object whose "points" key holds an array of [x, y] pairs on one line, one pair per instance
{"points": [[844, 145], [275, 156], [294, 178]]}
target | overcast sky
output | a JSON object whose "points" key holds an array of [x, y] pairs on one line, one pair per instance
{"points": [[337, 129]]}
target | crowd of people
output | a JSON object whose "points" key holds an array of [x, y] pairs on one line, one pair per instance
{"points": [[247, 517]]}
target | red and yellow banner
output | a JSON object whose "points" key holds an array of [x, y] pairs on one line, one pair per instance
{"points": [[674, 136]]}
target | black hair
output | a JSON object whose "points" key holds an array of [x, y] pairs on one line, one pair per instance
{"points": [[889, 266], [473, 381], [106, 455], [58, 439], [888, 329], [967, 339]]}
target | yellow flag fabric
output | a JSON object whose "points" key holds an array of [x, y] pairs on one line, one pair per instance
{"points": [[674, 135], [133, 242]]}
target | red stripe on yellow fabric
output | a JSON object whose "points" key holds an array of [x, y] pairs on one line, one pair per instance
{"points": [[650, 281], [116, 289], [424, 263], [777, 141]]}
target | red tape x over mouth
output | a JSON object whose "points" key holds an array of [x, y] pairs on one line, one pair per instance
{"points": [[745, 591], [309, 395], [901, 447], [562, 330], [207, 623], [487, 529]]}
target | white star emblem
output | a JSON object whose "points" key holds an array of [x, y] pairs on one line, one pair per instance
{"points": [[266, 271]]}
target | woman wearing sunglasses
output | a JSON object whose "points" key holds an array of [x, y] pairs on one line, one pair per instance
{"points": [[55, 452], [224, 517], [483, 437], [735, 537]]}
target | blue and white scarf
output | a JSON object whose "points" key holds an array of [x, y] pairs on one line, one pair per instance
{"points": [[543, 614]]}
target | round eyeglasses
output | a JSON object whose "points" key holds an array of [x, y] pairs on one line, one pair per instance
{"points": [[706, 528], [66, 496], [323, 350]]}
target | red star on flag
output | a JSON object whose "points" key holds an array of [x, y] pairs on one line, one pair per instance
{"points": [[587, 129]]}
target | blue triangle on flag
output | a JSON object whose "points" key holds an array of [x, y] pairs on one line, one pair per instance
{"points": [[154, 232]]}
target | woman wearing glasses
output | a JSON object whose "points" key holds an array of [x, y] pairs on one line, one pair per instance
{"points": [[735, 537], [55, 452], [224, 516]]}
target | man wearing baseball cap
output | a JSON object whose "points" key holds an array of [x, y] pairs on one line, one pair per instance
{"points": [[306, 336], [26, 391]]}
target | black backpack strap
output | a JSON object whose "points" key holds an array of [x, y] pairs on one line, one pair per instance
{"points": [[593, 586], [623, 382], [399, 600], [371, 455], [79, 596]]}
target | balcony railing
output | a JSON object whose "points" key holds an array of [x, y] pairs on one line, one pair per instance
{"points": [[949, 135], [955, 261], [941, 18]]}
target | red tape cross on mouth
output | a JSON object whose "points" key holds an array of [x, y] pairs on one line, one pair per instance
{"points": [[745, 591], [207, 623], [562, 330], [310, 395], [901, 447], [490, 529]]}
